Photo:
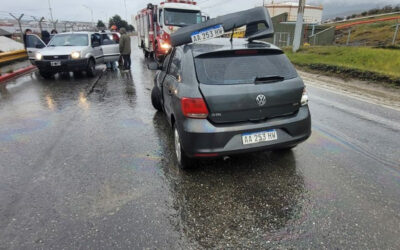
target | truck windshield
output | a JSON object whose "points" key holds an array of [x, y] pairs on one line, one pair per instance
{"points": [[69, 40], [178, 17]]}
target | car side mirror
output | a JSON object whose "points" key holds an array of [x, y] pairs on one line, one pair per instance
{"points": [[95, 44], [39, 46], [153, 66]]}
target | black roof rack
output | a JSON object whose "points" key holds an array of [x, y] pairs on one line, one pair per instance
{"points": [[257, 21]]}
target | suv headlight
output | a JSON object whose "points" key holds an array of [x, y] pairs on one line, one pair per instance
{"points": [[304, 98], [75, 55], [38, 56]]}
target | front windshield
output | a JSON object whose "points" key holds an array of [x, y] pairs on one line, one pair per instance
{"points": [[69, 40], [177, 17]]}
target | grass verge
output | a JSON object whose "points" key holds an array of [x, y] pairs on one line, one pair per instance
{"points": [[363, 63]]}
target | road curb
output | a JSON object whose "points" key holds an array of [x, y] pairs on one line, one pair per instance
{"points": [[17, 73]]}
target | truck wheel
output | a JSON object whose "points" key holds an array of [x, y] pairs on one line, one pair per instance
{"points": [[183, 161], [91, 68], [46, 75], [155, 99]]}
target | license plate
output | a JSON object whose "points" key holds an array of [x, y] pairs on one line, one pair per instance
{"points": [[252, 138], [208, 33], [55, 63]]}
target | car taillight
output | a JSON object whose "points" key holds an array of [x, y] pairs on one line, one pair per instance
{"points": [[194, 108]]}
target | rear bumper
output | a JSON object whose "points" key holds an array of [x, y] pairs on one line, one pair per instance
{"points": [[202, 138], [66, 65]]}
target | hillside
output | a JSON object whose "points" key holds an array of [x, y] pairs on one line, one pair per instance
{"points": [[371, 34]]}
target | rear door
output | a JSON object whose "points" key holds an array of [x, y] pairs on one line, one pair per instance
{"points": [[33, 45], [248, 85], [110, 48]]}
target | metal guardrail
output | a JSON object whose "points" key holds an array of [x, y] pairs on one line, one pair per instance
{"points": [[12, 56]]}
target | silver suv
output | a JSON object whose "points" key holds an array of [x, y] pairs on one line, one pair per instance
{"points": [[72, 51]]}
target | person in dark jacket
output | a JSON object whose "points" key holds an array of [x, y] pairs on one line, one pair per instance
{"points": [[25, 36], [125, 48], [45, 36]]}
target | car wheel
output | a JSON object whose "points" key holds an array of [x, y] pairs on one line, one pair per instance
{"points": [[183, 161], [91, 68], [46, 75], [77, 73], [155, 99]]}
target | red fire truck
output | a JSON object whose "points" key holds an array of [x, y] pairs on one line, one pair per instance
{"points": [[156, 23]]}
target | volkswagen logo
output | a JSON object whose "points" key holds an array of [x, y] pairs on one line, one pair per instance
{"points": [[261, 100]]}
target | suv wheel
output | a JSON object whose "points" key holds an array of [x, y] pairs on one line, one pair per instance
{"points": [[155, 99], [184, 162], [91, 68], [46, 75]]}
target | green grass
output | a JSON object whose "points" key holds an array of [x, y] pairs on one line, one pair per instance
{"points": [[360, 62]]}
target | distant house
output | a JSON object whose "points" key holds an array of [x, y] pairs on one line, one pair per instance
{"points": [[5, 33]]}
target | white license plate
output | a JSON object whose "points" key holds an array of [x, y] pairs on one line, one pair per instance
{"points": [[55, 63], [252, 138], [208, 33]]}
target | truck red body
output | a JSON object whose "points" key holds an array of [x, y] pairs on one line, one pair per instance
{"points": [[156, 23]]}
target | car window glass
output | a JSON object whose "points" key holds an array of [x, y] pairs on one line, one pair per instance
{"points": [[33, 41], [95, 38], [175, 67], [242, 69], [69, 40], [107, 39]]}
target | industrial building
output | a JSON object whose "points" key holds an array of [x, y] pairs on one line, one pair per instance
{"points": [[312, 14]]}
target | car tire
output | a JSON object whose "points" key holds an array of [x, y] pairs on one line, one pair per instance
{"points": [[91, 68], [155, 99], [183, 161], [46, 75], [77, 73]]}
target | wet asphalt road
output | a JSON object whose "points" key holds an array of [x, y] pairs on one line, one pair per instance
{"points": [[97, 171]]}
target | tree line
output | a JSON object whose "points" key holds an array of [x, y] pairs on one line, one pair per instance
{"points": [[376, 11], [117, 21]]}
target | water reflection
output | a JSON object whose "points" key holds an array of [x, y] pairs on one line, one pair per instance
{"points": [[249, 198]]}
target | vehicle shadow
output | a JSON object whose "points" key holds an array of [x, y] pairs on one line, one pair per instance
{"points": [[248, 198]]}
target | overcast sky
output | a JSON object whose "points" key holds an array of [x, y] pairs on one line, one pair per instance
{"points": [[103, 9]]}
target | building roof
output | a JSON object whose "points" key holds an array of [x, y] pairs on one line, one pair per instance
{"points": [[4, 32]]}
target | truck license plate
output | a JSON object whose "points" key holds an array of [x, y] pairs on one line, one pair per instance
{"points": [[55, 63], [208, 33], [252, 138]]}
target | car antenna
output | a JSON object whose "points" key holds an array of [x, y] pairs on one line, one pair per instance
{"points": [[233, 32]]}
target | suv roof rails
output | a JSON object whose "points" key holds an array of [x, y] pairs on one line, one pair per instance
{"points": [[257, 21]]}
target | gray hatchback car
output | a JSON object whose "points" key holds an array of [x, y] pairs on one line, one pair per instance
{"points": [[225, 97]]}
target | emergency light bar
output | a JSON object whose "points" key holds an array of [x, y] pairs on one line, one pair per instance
{"points": [[257, 21]]}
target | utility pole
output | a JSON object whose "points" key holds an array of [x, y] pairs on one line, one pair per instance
{"points": [[299, 26], [40, 22], [126, 12], [91, 12], [51, 12], [19, 23]]}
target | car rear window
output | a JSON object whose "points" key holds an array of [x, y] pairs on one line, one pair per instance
{"points": [[239, 68]]}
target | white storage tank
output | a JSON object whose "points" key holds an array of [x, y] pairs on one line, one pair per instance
{"points": [[312, 14]]}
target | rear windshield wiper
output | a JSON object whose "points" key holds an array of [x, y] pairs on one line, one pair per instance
{"points": [[268, 79]]}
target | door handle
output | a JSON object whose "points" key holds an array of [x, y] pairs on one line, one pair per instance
{"points": [[169, 91]]}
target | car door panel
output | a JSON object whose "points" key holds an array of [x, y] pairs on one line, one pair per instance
{"points": [[110, 49], [33, 45], [97, 49]]}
